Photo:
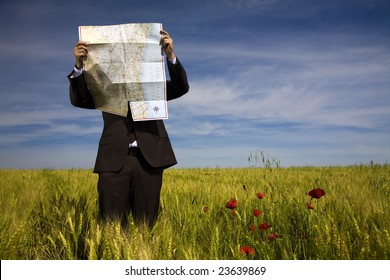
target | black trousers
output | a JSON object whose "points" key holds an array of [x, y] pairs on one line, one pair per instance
{"points": [[135, 189]]}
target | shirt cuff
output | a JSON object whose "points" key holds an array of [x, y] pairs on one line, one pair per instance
{"points": [[76, 72], [173, 61]]}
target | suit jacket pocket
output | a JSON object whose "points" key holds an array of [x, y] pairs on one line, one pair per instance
{"points": [[148, 129]]}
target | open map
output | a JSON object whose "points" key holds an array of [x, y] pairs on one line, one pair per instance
{"points": [[125, 69]]}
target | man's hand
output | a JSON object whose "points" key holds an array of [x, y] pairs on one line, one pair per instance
{"points": [[166, 43], [80, 52]]}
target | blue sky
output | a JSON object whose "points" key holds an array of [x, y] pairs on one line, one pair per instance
{"points": [[305, 81]]}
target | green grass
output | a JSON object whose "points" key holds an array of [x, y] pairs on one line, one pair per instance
{"points": [[52, 214]]}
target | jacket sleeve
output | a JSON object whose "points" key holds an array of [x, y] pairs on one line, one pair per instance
{"points": [[79, 94], [178, 85]]}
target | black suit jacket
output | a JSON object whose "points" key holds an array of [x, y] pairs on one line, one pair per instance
{"points": [[152, 137]]}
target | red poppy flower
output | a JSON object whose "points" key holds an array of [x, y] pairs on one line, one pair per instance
{"points": [[264, 226], [252, 228], [256, 212], [260, 195], [247, 250], [309, 205], [317, 193], [205, 209], [231, 204], [273, 236]]}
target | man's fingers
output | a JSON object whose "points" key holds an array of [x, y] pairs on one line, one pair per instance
{"points": [[163, 32], [81, 43], [81, 53], [81, 50], [165, 38], [165, 42]]}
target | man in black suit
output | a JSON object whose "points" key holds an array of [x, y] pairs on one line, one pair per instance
{"points": [[131, 155]]}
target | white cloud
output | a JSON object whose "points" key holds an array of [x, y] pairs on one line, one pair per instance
{"points": [[45, 115], [292, 85]]}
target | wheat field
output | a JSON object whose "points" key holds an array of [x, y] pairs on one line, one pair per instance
{"points": [[52, 215]]}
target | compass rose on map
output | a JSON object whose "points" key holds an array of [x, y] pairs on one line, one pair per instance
{"points": [[156, 109]]}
